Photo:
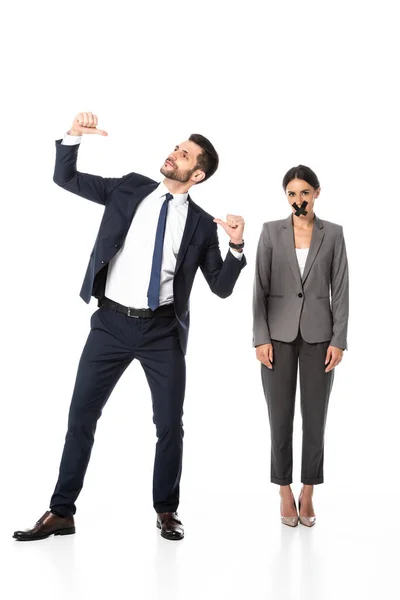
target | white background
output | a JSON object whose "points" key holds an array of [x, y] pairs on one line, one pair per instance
{"points": [[272, 85]]}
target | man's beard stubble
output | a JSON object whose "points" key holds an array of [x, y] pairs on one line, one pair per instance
{"points": [[176, 175]]}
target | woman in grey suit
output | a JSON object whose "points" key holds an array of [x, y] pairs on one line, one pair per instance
{"points": [[300, 309]]}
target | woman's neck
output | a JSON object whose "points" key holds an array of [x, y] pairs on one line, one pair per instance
{"points": [[304, 222]]}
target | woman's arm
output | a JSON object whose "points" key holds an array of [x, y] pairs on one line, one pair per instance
{"points": [[261, 289], [340, 293]]}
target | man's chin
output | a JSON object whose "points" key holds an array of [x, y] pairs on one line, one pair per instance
{"points": [[166, 172], [175, 175], [169, 174]]}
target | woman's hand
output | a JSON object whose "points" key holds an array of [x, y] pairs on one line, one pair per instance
{"points": [[333, 357], [265, 354]]}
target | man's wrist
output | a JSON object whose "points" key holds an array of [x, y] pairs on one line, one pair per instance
{"points": [[236, 244], [74, 132]]}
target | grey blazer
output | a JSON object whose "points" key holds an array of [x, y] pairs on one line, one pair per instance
{"points": [[283, 301]]}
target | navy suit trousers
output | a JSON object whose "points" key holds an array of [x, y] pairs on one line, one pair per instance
{"points": [[113, 342]]}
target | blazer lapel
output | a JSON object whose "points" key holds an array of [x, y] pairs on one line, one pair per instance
{"points": [[316, 240], [130, 207], [192, 221], [288, 240]]}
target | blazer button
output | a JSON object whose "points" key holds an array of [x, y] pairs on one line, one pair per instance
{"points": [[300, 295], [102, 262]]}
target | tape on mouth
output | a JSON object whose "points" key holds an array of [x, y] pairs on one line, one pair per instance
{"points": [[300, 210]]}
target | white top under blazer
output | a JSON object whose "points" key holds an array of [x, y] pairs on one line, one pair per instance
{"points": [[301, 254]]}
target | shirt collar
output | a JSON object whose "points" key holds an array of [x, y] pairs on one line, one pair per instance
{"points": [[177, 200]]}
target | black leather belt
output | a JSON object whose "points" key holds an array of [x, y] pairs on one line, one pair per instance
{"points": [[166, 310]]}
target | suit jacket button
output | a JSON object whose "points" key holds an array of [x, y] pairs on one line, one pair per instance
{"points": [[102, 262], [300, 295]]}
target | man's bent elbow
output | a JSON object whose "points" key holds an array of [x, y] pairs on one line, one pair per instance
{"points": [[222, 293], [57, 180]]}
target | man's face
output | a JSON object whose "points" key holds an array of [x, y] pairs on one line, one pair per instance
{"points": [[181, 164]]}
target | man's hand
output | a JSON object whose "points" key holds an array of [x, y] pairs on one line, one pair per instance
{"points": [[85, 122], [333, 357], [234, 227], [265, 354]]}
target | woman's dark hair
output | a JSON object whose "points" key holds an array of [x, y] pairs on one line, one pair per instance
{"points": [[301, 172], [208, 160]]}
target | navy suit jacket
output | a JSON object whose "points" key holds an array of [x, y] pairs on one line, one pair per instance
{"points": [[121, 196]]}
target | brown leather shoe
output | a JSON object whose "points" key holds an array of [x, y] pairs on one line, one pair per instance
{"points": [[171, 527], [49, 524]]}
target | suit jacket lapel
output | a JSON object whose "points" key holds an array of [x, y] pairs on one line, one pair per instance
{"points": [[288, 240], [134, 201], [316, 240], [192, 221]]}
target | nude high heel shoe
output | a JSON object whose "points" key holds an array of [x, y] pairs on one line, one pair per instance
{"points": [[307, 521], [290, 521]]}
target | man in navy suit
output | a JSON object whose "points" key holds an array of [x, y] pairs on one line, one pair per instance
{"points": [[151, 241]]}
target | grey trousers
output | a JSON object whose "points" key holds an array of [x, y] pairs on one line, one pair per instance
{"points": [[280, 391]]}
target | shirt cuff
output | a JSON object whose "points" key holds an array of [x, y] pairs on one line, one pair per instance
{"points": [[236, 254], [71, 140]]}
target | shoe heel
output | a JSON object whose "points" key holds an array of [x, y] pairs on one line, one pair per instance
{"points": [[66, 531]]}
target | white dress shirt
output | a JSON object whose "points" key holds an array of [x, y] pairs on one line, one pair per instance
{"points": [[301, 254], [128, 275]]}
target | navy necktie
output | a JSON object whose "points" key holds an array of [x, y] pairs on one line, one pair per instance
{"points": [[153, 293]]}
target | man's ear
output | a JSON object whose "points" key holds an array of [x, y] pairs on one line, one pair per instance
{"points": [[198, 176]]}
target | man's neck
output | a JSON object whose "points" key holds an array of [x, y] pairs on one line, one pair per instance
{"points": [[176, 187]]}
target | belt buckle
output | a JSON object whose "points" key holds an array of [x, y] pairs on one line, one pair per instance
{"points": [[132, 316]]}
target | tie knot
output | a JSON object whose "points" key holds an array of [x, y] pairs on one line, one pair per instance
{"points": [[168, 196]]}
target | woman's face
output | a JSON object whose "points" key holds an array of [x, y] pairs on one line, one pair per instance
{"points": [[299, 190]]}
